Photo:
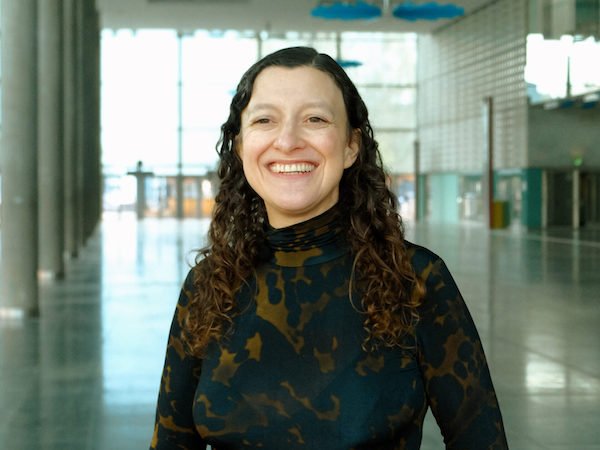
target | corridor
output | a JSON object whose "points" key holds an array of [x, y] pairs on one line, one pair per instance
{"points": [[85, 374]]}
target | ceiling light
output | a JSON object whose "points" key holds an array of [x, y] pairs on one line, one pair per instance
{"points": [[347, 63], [427, 11], [346, 10]]}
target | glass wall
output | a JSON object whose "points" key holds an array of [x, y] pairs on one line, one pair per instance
{"points": [[209, 80], [562, 68], [165, 95], [139, 112]]}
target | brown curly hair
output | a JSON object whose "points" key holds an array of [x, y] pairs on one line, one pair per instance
{"points": [[382, 275]]}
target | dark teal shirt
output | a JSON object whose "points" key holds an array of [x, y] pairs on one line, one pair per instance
{"points": [[293, 374]]}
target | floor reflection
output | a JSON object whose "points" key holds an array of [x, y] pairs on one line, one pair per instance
{"points": [[85, 375]]}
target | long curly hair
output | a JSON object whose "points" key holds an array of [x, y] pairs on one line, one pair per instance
{"points": [[383, 279]]}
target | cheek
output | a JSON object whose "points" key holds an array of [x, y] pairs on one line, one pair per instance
{"points": [[239, 146], [254, 152], [249, 155], [337, 150]]}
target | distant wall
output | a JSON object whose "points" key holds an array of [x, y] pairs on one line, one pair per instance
{"points": [[557, 136]]}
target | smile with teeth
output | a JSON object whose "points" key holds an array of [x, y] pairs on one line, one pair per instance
{"points": [[292, 168]]}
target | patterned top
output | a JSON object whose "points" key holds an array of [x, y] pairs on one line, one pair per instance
{"points": [[293, 374]]}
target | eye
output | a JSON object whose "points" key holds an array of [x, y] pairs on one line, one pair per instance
{"points": [[316, 119], [262, 122]]}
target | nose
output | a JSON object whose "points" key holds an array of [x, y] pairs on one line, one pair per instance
{"points": [[289, 137]]}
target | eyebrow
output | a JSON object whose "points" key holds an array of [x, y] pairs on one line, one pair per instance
{"points": [[259, 107], [267, 106]]}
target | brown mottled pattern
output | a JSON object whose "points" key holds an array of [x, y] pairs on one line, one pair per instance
{"points": [[293, 374]]}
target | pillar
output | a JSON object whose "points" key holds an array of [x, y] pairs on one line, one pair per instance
{"points": [[421, 202], [418, 191], [533, 198], [80, 120], [576, 192], [87, 132], [96, 175], [83, 177], [19, 295], [88, 86], [488, 172], [50, 157], [70, 113]]}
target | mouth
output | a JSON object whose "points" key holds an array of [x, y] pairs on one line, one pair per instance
{"points": [[293, 168]]}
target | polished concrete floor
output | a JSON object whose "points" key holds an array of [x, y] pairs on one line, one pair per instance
{"points": [[85, 374]]}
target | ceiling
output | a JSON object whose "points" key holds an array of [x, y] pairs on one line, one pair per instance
{"points": [[259, 15]]}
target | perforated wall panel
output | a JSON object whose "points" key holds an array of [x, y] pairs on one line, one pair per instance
{"points": [[458, 66]]}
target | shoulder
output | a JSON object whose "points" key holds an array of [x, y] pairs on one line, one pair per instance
{"points": [[419, 253], [190, 281], [189, 290], [196, 273], [441, 291], [425, 263]]}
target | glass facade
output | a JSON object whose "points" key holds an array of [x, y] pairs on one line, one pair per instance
{"points": [[165, 95], [561, 68]]}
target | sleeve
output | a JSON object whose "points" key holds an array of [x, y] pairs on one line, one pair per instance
{"points": [[457, 380], [174, 425]]}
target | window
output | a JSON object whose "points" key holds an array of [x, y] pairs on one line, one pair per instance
{"points": [[165, 95]]}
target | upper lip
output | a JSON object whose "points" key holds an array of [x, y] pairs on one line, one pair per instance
{"points": [[292, 161]]}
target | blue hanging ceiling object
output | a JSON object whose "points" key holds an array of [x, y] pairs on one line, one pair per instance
{"points": [[344, 10], [346, 63], [427, 11]]}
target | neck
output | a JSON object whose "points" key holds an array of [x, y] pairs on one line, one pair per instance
{"points": [[278, 219]]}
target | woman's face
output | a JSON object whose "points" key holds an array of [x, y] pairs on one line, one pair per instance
{"points": [[294, 142]]}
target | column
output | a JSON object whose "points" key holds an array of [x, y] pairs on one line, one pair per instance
{"points": [[71, 155], [418, 188], [576, 214], [97, 177], [50, 157], [80, 120], [533, 198], [19, 295], [89, 87], [488, 172]]}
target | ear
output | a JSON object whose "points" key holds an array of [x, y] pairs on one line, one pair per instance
{"points": [[352, 148]]}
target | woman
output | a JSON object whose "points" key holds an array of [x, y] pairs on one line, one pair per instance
{"points": [[309, 322]]}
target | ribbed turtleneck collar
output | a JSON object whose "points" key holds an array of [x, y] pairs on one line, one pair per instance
{"points": [[314, 241]]}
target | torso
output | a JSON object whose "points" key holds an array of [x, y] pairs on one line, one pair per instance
{"points": [[293, 375]]}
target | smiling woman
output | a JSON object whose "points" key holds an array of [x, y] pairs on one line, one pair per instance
{"points": [[309, 322], [295, 143]]}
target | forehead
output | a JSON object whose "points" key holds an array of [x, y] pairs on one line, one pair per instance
{"points": [[301, 82]]}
